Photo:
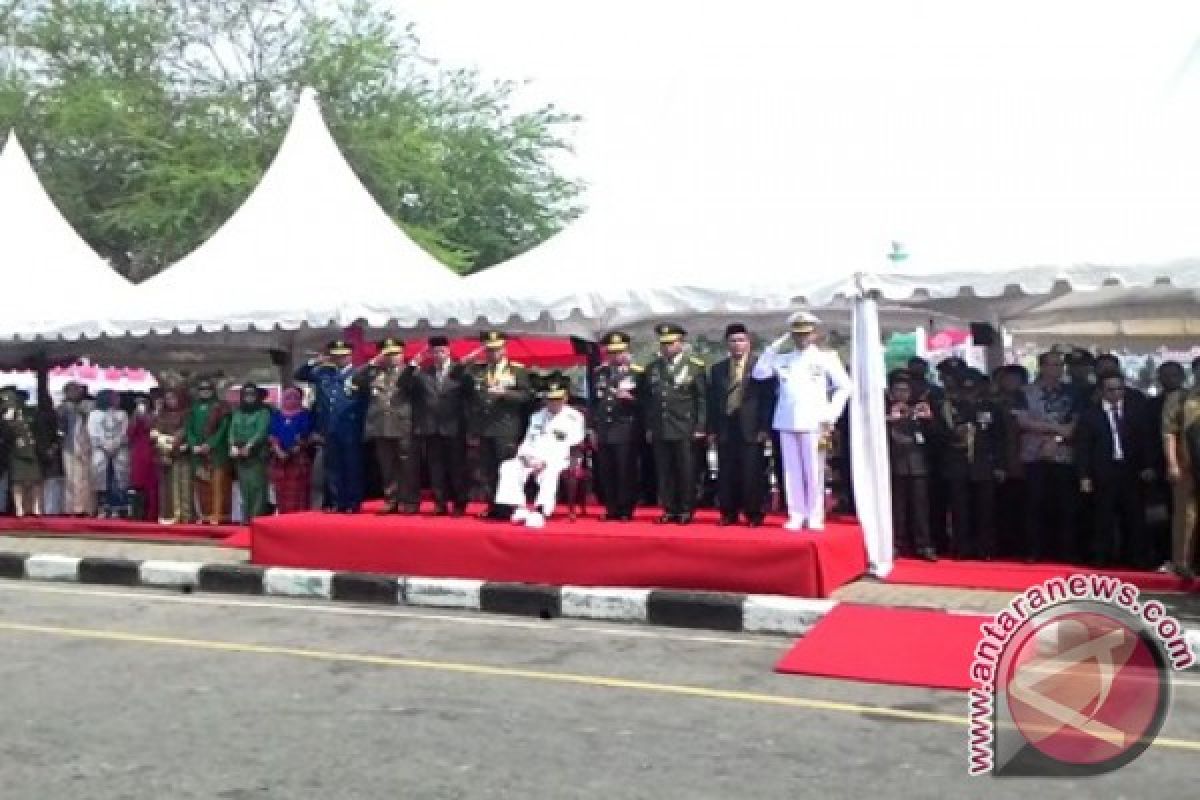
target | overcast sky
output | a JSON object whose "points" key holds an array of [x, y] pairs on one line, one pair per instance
{"points": [[985, 132]]}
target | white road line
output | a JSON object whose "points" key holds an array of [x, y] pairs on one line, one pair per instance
{"points": [[771, 643]]}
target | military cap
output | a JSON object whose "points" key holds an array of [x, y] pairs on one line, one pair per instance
{"points": [[556, 387], [616, 341], [492, 339], [391, 346], [669, 333], [803, 322], [339, 347], [735, 328], [439, 341]]}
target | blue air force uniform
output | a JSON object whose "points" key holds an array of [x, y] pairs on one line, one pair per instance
{"points": [[340, 411]]}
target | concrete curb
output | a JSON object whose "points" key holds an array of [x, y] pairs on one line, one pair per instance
{"points": [[790, 616], [793, 616]]}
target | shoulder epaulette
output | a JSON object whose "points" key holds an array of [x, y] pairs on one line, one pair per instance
{"points": [[636, 368], [517, 364], [697, 361]]}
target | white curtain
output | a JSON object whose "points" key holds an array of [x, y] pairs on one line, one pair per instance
{"points": [[868, 436]]}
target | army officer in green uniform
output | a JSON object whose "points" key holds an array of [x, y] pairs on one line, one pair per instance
{"points": [[673, 389], [500, 395], [389, 426]]}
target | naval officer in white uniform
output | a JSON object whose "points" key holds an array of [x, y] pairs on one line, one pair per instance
{"points": [[544, 454], [813, 390]]}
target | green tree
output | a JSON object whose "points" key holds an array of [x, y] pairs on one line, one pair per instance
{"points": [[150, 122]]}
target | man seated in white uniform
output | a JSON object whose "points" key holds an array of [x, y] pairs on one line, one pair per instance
{"points": [[813, 390], [544, 454]]}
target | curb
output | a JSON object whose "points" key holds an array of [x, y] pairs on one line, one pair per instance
{"points": [[754, 613], [792, 616]]}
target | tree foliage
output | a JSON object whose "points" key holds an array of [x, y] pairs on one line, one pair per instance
{"points": [[150, 122]]}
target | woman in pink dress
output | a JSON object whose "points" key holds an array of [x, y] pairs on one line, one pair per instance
{"points": [[143, 476]]}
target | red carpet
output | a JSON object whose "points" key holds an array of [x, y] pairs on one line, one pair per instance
{"points": [[86, 527], [881, 644], [1013, 577], [588, 552]]}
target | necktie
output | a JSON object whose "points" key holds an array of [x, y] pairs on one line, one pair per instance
{"points": [[734, 400]]}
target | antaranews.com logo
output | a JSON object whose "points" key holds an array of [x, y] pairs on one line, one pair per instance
{"points": [[1073, 678]]}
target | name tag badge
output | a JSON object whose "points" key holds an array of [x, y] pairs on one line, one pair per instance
{"points": [[919, 437]]}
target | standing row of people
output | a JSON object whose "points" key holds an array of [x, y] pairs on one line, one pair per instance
{"points": [[427, 409], [1073, 466]]}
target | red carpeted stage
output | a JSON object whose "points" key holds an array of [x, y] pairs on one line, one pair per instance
{"points": [[90, 527], [588, 552]]}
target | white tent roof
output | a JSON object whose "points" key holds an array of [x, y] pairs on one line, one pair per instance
{"points": [[607, 270], [51, 274], [309, 248]]}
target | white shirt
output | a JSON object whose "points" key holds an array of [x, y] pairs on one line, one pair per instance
{"points": [[550, 437], [805, 376], [1114, 410]]}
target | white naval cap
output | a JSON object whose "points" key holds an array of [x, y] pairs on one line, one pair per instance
{"points": [[803, 322]]}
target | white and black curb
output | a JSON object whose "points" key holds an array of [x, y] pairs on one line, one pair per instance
{"points": [[701, 610]]}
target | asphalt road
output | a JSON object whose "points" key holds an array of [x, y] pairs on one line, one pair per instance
{"points": [[133, 694]]}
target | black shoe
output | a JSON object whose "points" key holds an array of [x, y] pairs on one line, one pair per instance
{"points": [[609, 516], [727, 520], [684, 518], [408, 509], [754, 522], [928, 554], [1185, 573], [459, 511], [440, 510], [666, 519], [390, 508]]}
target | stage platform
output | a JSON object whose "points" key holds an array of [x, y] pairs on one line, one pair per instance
{"points": [[91, 527], [587, 552]]}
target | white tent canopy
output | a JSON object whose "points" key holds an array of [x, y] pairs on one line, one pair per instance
{"points": [[608, 270], [50, 272], [310, 248]]}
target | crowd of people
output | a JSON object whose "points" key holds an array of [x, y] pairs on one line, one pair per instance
{"points": [[1070, 465], [167, 455]]}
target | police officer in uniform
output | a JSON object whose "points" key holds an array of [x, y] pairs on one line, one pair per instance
{"points": [[389, 426], [675, 386], [614, 418], [341, 402], [500, 397]]}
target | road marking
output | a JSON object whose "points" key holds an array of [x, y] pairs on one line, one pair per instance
{"points": [[596, 681], [762, 642]]}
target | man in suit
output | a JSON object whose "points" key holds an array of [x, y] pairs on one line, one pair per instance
{"points": [[389, 426], [674, 388], [813, 390], [440, 389], [738, 428], [1112, 459], [496, 413], [613, 420]]}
